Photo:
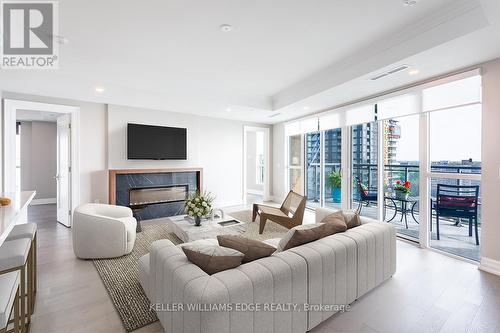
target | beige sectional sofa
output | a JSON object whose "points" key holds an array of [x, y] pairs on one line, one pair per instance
{"points": [[335, 270]]}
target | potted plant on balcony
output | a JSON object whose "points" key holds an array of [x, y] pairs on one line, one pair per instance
{"points": [[199, 205], [335, 183], [402, 190]]}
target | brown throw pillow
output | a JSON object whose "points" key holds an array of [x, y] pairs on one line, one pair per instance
{"points": [[351, 219], [252, 249], [304, 234], [212, 258], [337, 219]]}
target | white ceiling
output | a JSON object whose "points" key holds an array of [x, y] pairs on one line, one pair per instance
{"points": [[290, 57]]}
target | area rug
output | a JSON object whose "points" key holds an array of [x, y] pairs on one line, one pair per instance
{"points": [[121, 279], [121, 275]]}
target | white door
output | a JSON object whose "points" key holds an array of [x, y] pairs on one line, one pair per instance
{"points": [[63, 176]]}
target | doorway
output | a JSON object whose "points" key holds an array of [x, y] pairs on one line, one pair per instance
{"points": [[256, 165], [44, 157]]}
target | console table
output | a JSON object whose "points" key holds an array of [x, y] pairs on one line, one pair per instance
{"points": [[15, 213]]}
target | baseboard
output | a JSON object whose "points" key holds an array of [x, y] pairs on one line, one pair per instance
{"points": [[44, 201], [490, 265]]}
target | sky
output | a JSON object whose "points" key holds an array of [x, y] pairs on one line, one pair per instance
{"points": [[455, 135]]}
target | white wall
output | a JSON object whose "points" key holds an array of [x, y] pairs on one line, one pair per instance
{"points": [[491, 163], [279, 163], [93, 169], [216, 145], [38, 158]]}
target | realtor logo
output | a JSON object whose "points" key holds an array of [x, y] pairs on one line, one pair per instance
{"points": [[28, 31]]}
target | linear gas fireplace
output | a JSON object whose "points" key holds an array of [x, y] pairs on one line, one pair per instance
{"points": [[141, 197], [153, 193]]}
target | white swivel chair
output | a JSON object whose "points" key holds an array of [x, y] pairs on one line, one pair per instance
{"points": [[103, 231]]}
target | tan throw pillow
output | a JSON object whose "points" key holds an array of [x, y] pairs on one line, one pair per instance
{"points": [[337, 219], [351, 219], [212, 258], [304, 234], [252, 249]]}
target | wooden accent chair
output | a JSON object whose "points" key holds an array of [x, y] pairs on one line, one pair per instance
{"points": [[289, 215]]}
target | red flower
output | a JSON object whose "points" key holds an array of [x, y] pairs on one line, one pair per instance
{"points": [[407, 184], [398, 182]]}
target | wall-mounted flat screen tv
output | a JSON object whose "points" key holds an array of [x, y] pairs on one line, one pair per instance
{"points": [[147, 142]]}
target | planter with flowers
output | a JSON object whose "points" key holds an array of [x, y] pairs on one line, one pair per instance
{"points": [[402, 190], [198, 206]]}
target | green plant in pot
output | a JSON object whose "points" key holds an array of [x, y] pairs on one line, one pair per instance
{"points": [[199, 205], [335, 183]]}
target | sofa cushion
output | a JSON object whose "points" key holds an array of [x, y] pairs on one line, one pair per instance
{"points": [[337, 219], [351, 219], [212, 258], [304, 234], [251, 248]]}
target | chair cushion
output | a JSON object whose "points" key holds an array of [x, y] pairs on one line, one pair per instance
{"points": [[272, 211], [8, 287], [212, 258], [337, 219], [457, 202], [251, 248], [14, 253], [304, 234], [27, 230]]}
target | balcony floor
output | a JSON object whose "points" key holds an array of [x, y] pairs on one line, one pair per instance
{"points": [[454, 239]]}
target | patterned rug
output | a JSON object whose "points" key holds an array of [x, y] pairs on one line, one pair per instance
{"points": [[121, 275]]}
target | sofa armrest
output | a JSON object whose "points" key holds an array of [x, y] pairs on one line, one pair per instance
{"points": [[365, 220]]}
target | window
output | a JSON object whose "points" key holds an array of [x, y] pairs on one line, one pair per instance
{"points": [[259, 157], [295, 163]]}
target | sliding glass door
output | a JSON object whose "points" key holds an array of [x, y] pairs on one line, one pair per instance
{"points": [[313, 144], [401, 174], [364, 166], [295, 169], [332, 161]]}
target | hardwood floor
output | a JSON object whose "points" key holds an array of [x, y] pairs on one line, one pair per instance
{"points": [[429, 293]]}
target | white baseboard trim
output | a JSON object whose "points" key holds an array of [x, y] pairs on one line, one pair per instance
{"points": [[490, 265], [45, 201]]}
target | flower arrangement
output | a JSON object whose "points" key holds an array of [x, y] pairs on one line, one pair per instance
{"points": [[403, 187], [199, 205]]}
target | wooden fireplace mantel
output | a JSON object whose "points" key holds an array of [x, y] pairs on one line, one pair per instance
{"points": [[113, 172]]}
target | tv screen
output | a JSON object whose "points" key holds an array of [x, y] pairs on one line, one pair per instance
{"points": [[146, 142]]}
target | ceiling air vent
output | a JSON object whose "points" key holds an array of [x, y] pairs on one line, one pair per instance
{"points": [[274, 115], [390, 72]]}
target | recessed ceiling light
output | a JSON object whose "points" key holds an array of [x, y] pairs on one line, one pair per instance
{"points": [[225, 27], [306, 108], [410, 2], [99, 89], [228, 110], [414, 72]]}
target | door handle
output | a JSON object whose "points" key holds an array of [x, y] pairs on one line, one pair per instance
{"points": [[57, 177]]}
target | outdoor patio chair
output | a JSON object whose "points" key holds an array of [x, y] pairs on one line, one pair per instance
{"points": [[457, 201], [365, 195], [289, 215]]}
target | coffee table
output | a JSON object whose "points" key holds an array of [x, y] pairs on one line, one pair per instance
{"points": [[185, 229]]}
